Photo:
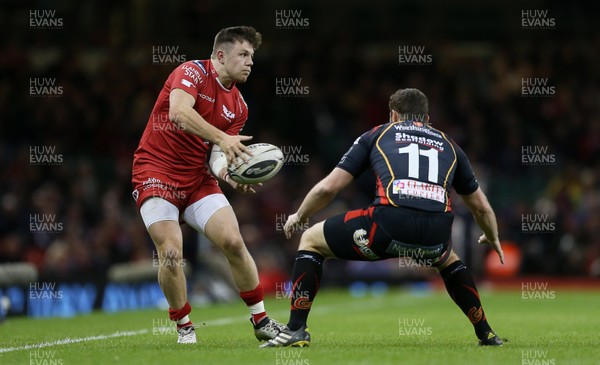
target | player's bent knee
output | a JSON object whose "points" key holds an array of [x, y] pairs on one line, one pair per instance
{"points": [[452, 258], [170, 256], [311, 240]]}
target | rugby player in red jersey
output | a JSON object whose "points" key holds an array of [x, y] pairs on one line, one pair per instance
{"points": [[415, 166], [198, 109]]}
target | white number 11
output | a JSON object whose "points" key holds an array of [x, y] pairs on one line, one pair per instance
{"points": [[414, 154]]}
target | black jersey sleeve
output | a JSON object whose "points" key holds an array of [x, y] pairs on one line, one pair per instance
{"points": [[464, 181], [356, 159]]}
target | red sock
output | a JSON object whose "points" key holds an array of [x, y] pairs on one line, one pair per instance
{"points": [[176, 315], [254, 301]]}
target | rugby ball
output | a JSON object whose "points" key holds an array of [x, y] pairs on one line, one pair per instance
{"points": [[265, 162]]}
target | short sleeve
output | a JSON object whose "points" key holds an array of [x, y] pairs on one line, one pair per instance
{"points": [[464, 181], [188, 77], [356, 159]]}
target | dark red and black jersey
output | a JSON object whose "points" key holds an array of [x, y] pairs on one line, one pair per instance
{"points": [[415, 165]]}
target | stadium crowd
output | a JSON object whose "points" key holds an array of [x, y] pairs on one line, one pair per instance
{"points": [[65, 156]]}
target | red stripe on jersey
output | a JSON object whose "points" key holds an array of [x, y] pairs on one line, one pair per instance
{"points": [[354, 214], [375, 129], [372, 234], [383, 200], [370, 211]]}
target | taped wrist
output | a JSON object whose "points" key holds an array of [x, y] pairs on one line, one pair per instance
{"points": [[218, 161]]}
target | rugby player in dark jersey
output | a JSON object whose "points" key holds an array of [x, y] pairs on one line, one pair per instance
{"points": [[415, 166]]}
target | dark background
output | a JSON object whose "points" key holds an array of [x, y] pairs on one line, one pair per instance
{"points": [[102, 58]]}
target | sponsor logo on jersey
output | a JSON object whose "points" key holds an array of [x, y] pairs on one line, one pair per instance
{"points": [[419, 189], [227, 114], [413, 127], [207, 98], [153, 182], [362, 242], [359, 237], [410, 138], [414, 251], [192, 73], [187, 83]]}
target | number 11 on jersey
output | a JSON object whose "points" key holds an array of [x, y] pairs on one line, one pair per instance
{"points": [[414, 154]]}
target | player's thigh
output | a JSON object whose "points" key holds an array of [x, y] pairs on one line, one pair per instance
{"points": [[354, 235], [161, 219], [223, 231], [313, 240], [201, 212]]}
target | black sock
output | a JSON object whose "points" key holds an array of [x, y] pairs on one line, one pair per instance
{"points": [[306, 278], [462, 290]]}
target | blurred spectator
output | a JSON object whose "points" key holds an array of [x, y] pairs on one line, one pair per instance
{"points": [[103, 61]]}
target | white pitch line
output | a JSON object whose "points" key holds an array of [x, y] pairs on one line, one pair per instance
{"points": [[358, 305], [68, 341]]}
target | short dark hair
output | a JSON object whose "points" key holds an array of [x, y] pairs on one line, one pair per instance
{"points": [[409, 102], [238, 34]]}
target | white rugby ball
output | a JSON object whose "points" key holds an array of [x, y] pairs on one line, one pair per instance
{"points": [[265, 162]]}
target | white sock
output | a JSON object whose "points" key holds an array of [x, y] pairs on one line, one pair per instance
{"points": [[183, 320], [257, 308]]}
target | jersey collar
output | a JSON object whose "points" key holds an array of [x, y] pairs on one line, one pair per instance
{"points": [[215, 74]]}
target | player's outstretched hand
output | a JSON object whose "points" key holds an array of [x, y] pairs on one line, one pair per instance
{"points": [[233, 147], [495, 245], [292, 225], [242, 188]]}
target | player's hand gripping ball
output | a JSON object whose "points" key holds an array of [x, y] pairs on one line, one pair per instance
{"points": [[265, 162]]}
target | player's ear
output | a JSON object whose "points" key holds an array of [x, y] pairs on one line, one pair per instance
{"points": [[221, 56], [426, 118], [394, 116]]}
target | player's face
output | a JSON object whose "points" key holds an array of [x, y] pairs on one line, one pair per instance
{"points": [[238, 61]]}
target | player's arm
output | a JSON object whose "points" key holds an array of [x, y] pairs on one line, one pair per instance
{"points": [[323, 193], [486, 219], [182, 112], [352, 164], [467, 187], [319, 197]]}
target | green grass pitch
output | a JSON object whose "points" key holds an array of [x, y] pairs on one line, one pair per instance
{"points": [[396, 328]]}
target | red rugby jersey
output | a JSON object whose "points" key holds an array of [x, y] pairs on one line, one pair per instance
{"points": [[165, 146]]}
